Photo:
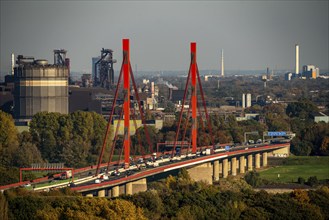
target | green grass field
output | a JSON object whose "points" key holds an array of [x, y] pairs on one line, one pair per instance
{"points": [[294, 167]]}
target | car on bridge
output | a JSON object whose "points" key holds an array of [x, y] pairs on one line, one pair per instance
{"points": [[26, 185]]}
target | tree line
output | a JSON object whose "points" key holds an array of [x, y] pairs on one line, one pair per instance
{"points": [[182, 198], [73, 139], [21, 204], [172, 198]]}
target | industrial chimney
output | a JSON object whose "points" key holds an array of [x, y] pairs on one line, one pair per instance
{"points": [[297, 59], [12, 63], [152, 89], [222, 64]]}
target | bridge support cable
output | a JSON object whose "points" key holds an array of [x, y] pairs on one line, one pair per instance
{"points": [[133, 152], [186, 121], [114, 141], [138, 139], [205, 107], [126, 73], [148, 139], [194, 75], [119, 160], [110, 119], [192, 68], [189, 144], [181, 112], [201, 119]]}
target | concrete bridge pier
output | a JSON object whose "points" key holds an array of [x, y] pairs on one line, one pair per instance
{"points": [[101, 193], [129, 188], [220, 167], [225, 168], [109, 193], [283, 151], [216, 170], [250, 162], [139, 185], [257, 161], [242, 164], [233, 166], [115, 191], [265, 159], [90, 195], [202, 172]]}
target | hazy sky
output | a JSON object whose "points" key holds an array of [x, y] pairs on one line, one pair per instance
{"points": [[253, 34]]}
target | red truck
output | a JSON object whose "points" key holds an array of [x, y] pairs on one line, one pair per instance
{"points": [[66, 175]]}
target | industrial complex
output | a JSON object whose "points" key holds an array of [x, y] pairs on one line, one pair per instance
{"points": [[35, 85], [40, 86]]}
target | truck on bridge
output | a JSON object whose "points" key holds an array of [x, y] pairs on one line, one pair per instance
{"points": [[66, 175]]}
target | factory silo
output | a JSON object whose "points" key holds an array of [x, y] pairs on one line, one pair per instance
{"points": [[39, 86]]}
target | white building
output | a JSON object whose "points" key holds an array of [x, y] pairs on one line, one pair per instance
{"points": [[248, 100], [318, 117]]}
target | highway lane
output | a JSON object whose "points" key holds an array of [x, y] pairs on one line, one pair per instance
{"points": [[170, 166], [89, 171]]}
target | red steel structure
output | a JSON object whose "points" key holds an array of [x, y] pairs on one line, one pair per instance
{"points": [[126, 104], [127, 74], [194, 98], [194, 75]]}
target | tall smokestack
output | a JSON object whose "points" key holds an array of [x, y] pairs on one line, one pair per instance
{"points": [[152, 89], [12, 63], [297, 59], [222, 64]]}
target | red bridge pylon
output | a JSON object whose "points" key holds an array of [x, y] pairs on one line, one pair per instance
{"points": [[193, 79], [127, 73]]}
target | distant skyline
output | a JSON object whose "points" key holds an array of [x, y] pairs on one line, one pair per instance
{"points": [[253, 34]]}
